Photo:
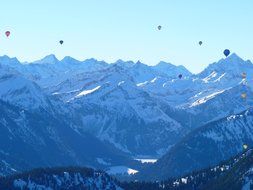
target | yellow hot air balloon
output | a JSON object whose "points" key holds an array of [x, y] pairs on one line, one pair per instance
{"points": [[244, 95], [245, 146]]}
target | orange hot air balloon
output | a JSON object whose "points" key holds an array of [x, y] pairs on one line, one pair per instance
{"points": [[7, 33]]}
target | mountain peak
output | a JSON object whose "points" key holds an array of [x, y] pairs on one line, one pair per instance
{"points": [[93, 61], [8, 60], [164, 64], [49, 59], [234, 57], [69, 60], [170, 69], [233, 65], [122, 63], [234, 61], [139, 63]]}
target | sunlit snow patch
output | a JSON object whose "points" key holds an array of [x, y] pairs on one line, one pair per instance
{"points": [[212, 75], [142, 83], [152, 81], [218, 79], [85, 92], [121, 170], [206, 98], [120, 83]]}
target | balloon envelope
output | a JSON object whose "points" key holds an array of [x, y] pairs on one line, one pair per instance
{"points": [[7, 33], [245, 146], [61, 42], [159, 27], [244, 95], [180, 76], [226, 52], [200, 43]]}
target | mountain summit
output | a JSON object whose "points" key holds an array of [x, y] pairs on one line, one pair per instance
{"points": [[49, 59]]}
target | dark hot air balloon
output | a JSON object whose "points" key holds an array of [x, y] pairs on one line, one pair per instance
{"points": [[200, 43], [159, 27], [61, 42], [226, 52], [7, 33], [180, 76]]}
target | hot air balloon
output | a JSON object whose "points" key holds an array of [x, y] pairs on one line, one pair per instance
{"points": [[244, 75], [226, 52], [244, 95], [200, 43], [245, 146], [61, 42], [180, 76], [7, 33], [159, 27]]}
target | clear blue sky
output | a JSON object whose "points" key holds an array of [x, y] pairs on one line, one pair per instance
{"points": [[126, 29]]}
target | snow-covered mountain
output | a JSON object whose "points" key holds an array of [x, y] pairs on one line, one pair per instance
{"points": [[114, 109], [228, 78], [141, 110], [30, 139], [207, 146], [18, 90]]}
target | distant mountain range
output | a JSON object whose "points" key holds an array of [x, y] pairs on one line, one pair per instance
{"points": [[91, 113]]}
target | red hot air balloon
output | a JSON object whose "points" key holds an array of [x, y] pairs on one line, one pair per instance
{"points": [[7, 33]]}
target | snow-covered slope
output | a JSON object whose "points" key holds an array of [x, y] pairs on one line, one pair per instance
{"points": [[207, 146], [18, 90], [30, 139], [219, 83], [114, 109]]}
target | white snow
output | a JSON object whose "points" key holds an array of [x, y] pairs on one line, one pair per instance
{"points": [[184, 180], [143, 161], [218, 79], [153, 80], [212, 75], [121, 170], [142, 83], [206, 98], [85, 92], [121, 82]]}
